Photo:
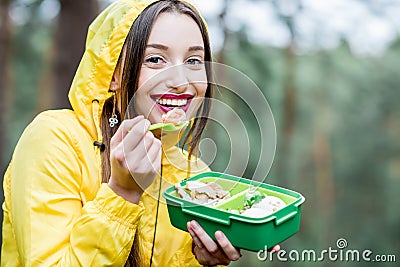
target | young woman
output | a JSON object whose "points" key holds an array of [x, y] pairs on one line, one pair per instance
{"points": [[83, 186]]}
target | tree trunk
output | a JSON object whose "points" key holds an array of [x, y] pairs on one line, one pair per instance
{"points": [[289, 97], [223, 25], [74, 19], [289, 107], [325, 189]]}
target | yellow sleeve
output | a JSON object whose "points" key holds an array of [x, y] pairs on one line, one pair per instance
{"points": [[187, 255], [51, 226]]}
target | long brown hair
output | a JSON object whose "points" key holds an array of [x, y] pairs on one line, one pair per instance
{"points": [[134, 48]]}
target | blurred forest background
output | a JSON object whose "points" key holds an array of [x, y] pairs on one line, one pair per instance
{"points": [[336, 104]]}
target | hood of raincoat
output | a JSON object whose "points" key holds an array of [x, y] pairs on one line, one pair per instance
{"points": [[105, 39], [104, 42]]}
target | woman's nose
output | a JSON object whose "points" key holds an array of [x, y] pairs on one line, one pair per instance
{"points": [[177, 80]]}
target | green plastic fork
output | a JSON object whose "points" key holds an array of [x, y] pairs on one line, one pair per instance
{"points": [[168, 126]]}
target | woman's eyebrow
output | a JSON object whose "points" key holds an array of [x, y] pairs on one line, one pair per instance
{"points": [[158, 46], [165, 48], [196, 48]]}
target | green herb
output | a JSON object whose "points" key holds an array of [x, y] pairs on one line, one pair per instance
{"points": [[254, 200]]}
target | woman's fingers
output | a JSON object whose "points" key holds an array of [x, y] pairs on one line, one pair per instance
{"points": [[204, 238], [135, 155], [203, 255], [123, 129], [196, 240], [131, 147], [135, 135], [154, 152], [201, 238], [146, 150], [230, 251]]}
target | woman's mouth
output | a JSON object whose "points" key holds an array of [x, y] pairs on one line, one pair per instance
{"points": [[167, 102]]}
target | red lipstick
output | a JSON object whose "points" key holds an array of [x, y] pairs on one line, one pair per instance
{"points": [[167, 102], [172, 96]]}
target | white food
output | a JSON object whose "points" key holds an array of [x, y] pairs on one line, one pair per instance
{"points": [[270, 203], [175, 116], [256, 212], [265, 207]]}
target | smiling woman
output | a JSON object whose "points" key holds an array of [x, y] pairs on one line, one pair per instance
{"points": [[173, 73], [84, 185]]}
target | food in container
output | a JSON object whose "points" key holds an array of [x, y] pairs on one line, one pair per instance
{"points": [[202, 193], [253, 231]]}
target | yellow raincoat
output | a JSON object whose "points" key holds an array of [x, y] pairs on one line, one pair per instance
{"points": [[56, 210]]}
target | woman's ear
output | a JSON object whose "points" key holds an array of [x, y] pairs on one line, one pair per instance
{"points": [[117, 76], [115, 83]]}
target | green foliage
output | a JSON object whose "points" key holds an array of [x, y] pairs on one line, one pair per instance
{"points": [[351, 102], [30, 49]]}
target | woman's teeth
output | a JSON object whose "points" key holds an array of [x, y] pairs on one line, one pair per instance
{"points": [[172, 102]]}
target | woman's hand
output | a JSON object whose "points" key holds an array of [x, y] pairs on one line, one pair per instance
{"points": [[207, 251], [135, 156]]}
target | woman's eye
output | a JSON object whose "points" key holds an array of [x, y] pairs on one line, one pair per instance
{"points": [[194, 61], [154, 60]]}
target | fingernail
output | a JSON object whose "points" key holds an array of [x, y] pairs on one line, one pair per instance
{"points": [[219, 235]]}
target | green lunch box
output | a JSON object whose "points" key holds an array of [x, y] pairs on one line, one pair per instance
{"points": [[248, 233]]}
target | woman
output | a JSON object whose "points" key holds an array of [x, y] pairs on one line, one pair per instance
{"points": [[82, 188]]}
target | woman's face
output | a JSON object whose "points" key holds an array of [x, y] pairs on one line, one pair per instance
{"points": [[172, 73]]}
